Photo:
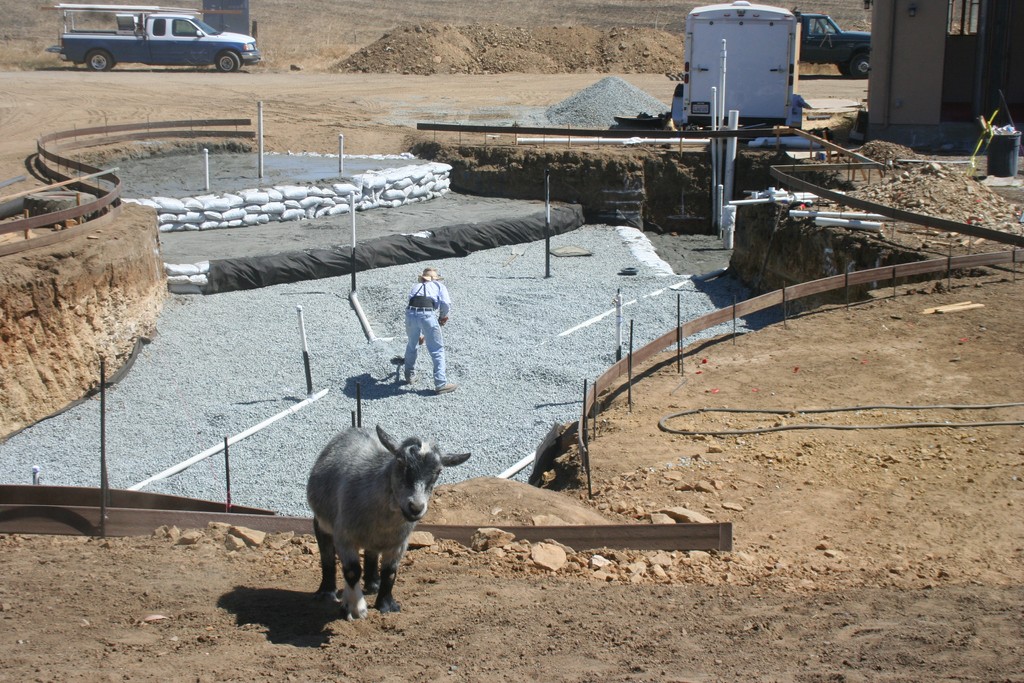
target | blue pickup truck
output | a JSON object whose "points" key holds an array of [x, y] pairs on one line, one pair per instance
{"points": [[100, 36]]}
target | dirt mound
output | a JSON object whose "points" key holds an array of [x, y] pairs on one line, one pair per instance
{"points": [[489, 501], [886, 152], [933, 189], [425, 49]]}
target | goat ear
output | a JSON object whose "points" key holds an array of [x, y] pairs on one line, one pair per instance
{"points": [[386, 439], [455, 459]]}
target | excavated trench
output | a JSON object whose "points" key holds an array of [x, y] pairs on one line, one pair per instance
{"points": [[667, 192]]}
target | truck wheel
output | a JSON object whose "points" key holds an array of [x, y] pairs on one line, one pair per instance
{"points": [[860, 66], [99, 60], [228, 61]]}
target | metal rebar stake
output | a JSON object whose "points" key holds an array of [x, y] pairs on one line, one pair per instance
{"points": [[547, 222], [104, 483], [227, 477]]}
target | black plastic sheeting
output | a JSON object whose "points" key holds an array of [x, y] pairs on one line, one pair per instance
{"points": [[461, 239]]}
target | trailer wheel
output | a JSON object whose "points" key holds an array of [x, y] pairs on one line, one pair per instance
{"points": [[860, 66], [228, 61], [99, 60]]}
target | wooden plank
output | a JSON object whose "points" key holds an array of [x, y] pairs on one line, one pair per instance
{"points": [[920, 268], [74, 520], [84, 496], [952, 308], [714, 536], [46, 188], [148, 126], [47, 220]]}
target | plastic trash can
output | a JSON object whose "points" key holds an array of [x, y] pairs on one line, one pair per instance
{"points": [[1003, 152]]}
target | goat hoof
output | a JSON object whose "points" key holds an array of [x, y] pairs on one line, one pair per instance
{"points": [[371, 587], [358, 612], [388, 605]]}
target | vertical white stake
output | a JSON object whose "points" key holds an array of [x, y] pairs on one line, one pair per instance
{"points": [[206, 167], [720, 194], [259, 135], [341, 154], [37, 475], [305, 353], [352, 212], [713, 148]]}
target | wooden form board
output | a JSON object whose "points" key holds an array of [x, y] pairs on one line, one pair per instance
{"points": [[85, 520]]}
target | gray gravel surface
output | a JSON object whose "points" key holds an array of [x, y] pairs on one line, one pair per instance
{"points": [[221, 364]]}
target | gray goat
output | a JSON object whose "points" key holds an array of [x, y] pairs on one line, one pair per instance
{"points": [[367, 492]]}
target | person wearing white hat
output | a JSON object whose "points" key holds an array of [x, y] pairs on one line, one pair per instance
{"points": [[427, 310]]}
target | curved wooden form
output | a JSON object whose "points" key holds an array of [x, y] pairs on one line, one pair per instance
{"points": [[51, 162]]}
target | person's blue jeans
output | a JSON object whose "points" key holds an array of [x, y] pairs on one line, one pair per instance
{"points": [[425, 323]]}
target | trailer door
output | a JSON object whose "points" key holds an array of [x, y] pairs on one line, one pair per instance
{"points": [[758, 57]]}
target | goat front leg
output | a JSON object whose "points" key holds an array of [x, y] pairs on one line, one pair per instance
{"points": [[328, 590], [353, 604], [388, 571]]}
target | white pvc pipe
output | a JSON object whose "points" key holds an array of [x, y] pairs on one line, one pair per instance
{"points": [[564, 139], [232, 440], [601, 316], [720, 201], [852, 215], [708, 276], [851, 224], [730, 156], [596, 318], [776, 197], [716, 210], [352, 211], [363, 321], [728, 226], [206, 167], [721, 92], [259, 127], [518, 467], [759, 200], [302, 329], [341, 154]]}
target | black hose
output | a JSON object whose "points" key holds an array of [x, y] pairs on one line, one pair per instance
{"points": [[907, 425]]}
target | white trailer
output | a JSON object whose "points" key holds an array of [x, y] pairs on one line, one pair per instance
{"points": [[739, 56]]}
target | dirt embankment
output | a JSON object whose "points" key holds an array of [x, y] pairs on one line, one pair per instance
{"points": [[66, 307]]}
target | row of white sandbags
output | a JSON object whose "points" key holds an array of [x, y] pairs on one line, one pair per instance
{"points": [[186, 278], [389, 188]]}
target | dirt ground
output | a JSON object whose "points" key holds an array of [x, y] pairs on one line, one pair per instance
{"points": [[859, 555]]}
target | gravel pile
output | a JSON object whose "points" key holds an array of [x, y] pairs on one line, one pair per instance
{"points": [[598, 105], [519, 347]]}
